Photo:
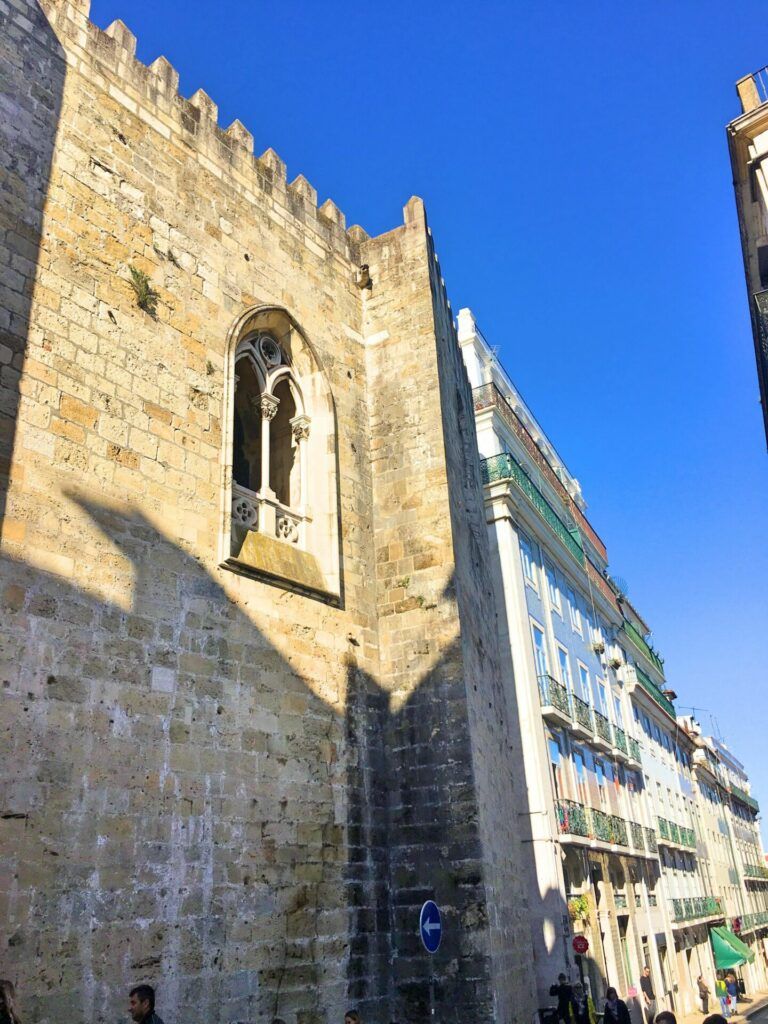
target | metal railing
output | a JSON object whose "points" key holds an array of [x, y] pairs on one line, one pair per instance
{"points": [[677, 834], [654, 691], [603, 728], [553, 694], [745, 798], [636, 637], [691, 907], [754, 920], [488, 396], [638, 838], [620, 740], [575, 819], [506, 467], [663, 828], [634, 749], [651, 841], [582, 713], [755, 871]]}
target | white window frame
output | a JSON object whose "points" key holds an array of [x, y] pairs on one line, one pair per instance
{"points": [[528, 561], [568, 681], [574, 614], [585, 690], [536, 628], [555, 596]]}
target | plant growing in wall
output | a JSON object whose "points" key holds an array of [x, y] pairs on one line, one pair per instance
{"points": [[578, 907], [146, 296]]}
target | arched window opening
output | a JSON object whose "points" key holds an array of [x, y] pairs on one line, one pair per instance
{"points": [[280, 475], [283, 478], [246, 462]]}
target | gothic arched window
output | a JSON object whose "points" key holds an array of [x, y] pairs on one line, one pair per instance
{"points": [[280, 424]]}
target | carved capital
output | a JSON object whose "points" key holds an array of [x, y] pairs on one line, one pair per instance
{"points": [[268, 405], [300, 427]]}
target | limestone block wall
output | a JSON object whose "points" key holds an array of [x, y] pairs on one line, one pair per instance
{"points": [[174, 803], [449, 774], [210, 782]]}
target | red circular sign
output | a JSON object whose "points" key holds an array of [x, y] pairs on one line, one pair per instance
{"points": [[580, 944]]}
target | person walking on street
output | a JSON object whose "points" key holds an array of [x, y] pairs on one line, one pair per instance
{"points": [[8, 1013], [733, 991], [722, 994], [703, 994], [665, 1017], [580, 1004], [616, 1011], [649, 997], [564, 994], [141, 1005]]}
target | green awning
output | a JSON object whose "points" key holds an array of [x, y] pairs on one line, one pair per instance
{"points": [[729, 950]]}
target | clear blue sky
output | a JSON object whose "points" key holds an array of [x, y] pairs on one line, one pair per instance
{"points": [[574, 165]]}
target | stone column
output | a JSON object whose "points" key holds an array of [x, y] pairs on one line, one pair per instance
{"points": [[267, 406], [300, 428]]}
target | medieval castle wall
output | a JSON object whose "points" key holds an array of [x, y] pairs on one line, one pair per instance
{"points": [[213, 779]]}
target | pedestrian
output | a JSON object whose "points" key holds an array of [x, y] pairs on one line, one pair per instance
{"points": [[665, 1017], [352, 1017], [616, 1011], [703, 994], [649, 997], [141, 1005], [722, 994], [580, 1004], [564, 994], [8, 1013], [732, 989], [714, 1018]]}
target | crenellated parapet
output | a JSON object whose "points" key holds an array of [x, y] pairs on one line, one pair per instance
{"points": [[151, 93]]}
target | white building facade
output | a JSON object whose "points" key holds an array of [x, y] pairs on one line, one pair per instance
{"points": [[611, 822]]}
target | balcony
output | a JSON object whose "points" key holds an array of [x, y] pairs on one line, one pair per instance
{"points": [[603, 738], [554, 701], [634, 753], [641, 644], [654, 692], [663, 828], [755, 871], [745, 798], [488, 396], [651, 841], [695, 908], [637, 836], [688, 838], [505, 467], [653, 900], [676, 835], [750, 921], [620, 900], [620, 746], [583, 723], [576, 820], [573, 819]]}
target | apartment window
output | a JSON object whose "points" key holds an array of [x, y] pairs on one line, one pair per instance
{"points": [[602, 706], [617, 711], [555, 760], [565, 668], [584, 689], [539, 651], [554, 591], [600, 776], [529, 566], [580, 771], [573, 612]]}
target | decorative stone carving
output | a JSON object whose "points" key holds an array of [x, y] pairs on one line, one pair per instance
{"points": [[268, 405], [300, 426], [270, 351], [244, 511], [287, 529]]}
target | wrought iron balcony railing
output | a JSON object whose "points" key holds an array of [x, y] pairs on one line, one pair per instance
{"points": [[637, 833], [651, 841], [636, 637], [663, 828], [506, 467], [634, 749], [576, 819], [582, 713], [654, 692], [603, 727], [620, 740], [553, 694], [745, 798], [690, 908]]}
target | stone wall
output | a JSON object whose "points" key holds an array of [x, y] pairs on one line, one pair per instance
{"points": [[213, 783]]}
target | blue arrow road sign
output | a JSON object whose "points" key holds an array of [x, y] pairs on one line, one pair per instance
{"points": [[430, 926]]}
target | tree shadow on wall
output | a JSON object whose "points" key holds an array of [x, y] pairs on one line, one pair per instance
{"points": [[34, 68], [184, 808]]}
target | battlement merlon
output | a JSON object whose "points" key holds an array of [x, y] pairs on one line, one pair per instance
{"points": [[150, 92]]}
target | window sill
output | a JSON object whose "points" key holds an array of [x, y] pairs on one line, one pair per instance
{"points": [[281, 564]]}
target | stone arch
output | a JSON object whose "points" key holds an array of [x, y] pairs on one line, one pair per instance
{"points": [[291, 417]]}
